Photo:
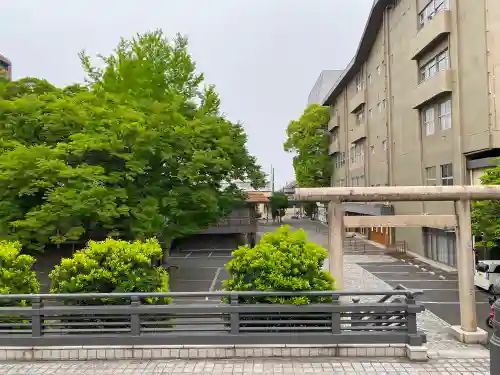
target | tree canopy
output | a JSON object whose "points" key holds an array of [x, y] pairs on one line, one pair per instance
{"points": [[308, 138], [141, 150], [486, 214]]}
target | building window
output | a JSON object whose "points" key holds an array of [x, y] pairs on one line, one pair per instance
{"points": [[360, 81], [433, 8], [430, 176], [369, 79], [384, 145], [379, 70], [428, 120], [339, 160], [357, 153], [360, 116], [447, 175], [440, 245], [445, 114], [372, 148], [437, 64], [384, 104], [370, 113], [379, 106]]}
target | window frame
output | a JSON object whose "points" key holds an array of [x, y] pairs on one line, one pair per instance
{"points": [[428, 124], [438, 63], [445, 119], [447, 180], [432, 8], [431, 178]]}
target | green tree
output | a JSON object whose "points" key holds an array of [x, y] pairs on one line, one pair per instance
{"points": [[308, 138], [281, 261], [142, 152], [486, 214], [278, 203]]}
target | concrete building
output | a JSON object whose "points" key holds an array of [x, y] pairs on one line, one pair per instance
{"points": [[417, 105], [5, 67]]}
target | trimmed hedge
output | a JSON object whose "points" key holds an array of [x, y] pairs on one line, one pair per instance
{"points": [[113, 266], [16, 273], [281, 261]]}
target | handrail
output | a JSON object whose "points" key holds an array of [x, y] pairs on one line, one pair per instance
{"points": [[334, 294]]}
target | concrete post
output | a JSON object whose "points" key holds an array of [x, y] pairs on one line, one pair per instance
{"points": [[495, 342], [336, 242], [465, 260], [468, 331]]}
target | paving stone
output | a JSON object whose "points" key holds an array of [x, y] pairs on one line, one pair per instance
{"points": [[251, 367]]}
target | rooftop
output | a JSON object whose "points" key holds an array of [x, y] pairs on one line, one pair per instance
{"points": [[368, 38]]}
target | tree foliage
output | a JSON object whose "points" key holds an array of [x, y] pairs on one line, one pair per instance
{"points": [[278, 203], [112, 266], [281, 261], [308, 138], [142, 151], [16, 273], [486, 214]]}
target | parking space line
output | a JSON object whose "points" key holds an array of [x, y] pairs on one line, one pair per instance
{"points": [[188, 254], [193, 280], [417, 281], [214, 281], [209, 255], [448, 303], [195, 257], [402, 272]]}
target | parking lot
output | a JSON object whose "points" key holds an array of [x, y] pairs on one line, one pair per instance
{"points": [[198, 271], [440, 288]]}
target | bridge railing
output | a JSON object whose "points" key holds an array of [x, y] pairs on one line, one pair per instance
{"points": [[131, 319]]}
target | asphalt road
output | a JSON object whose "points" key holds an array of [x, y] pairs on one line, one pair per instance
{"points": [[440, 288]]}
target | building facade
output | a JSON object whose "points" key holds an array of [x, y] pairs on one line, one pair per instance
{"points": [[417, 105], [5, 67]]}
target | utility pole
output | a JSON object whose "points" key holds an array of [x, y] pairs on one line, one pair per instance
{"points": [[272, 179]]}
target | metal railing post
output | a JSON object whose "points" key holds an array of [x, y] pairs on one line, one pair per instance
{"points": [[135, 318], [235, 316], [495, 341], [36, 321], [354, 316], [336, 328]]}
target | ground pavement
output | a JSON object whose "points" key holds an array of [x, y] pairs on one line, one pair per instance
{"points": [[252, 367]]}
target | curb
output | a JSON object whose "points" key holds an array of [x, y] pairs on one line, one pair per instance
{"points": [[79, 353]]}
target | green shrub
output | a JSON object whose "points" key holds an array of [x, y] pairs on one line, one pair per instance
{"points": [[281, 261], [112, 266], [16, 273]]}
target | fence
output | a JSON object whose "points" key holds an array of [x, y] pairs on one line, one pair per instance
{"points": [[128, 319]]}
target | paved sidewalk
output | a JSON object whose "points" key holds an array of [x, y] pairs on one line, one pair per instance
{"points": [[252, 367]]}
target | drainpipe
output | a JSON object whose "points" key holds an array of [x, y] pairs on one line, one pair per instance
{"points": [[388, 85]]}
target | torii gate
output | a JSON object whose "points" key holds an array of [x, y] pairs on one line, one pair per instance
{"points": [[462, 196]]}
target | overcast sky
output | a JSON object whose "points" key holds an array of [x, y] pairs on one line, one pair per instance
{"points": [[264, 56]]}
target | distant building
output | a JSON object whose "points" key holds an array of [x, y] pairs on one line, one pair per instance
{"points": [[324, 83], [5, 67]]}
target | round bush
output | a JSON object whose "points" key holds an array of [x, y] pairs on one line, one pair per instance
{"points": [[113, 266], [281, 261], [16, 273]]}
